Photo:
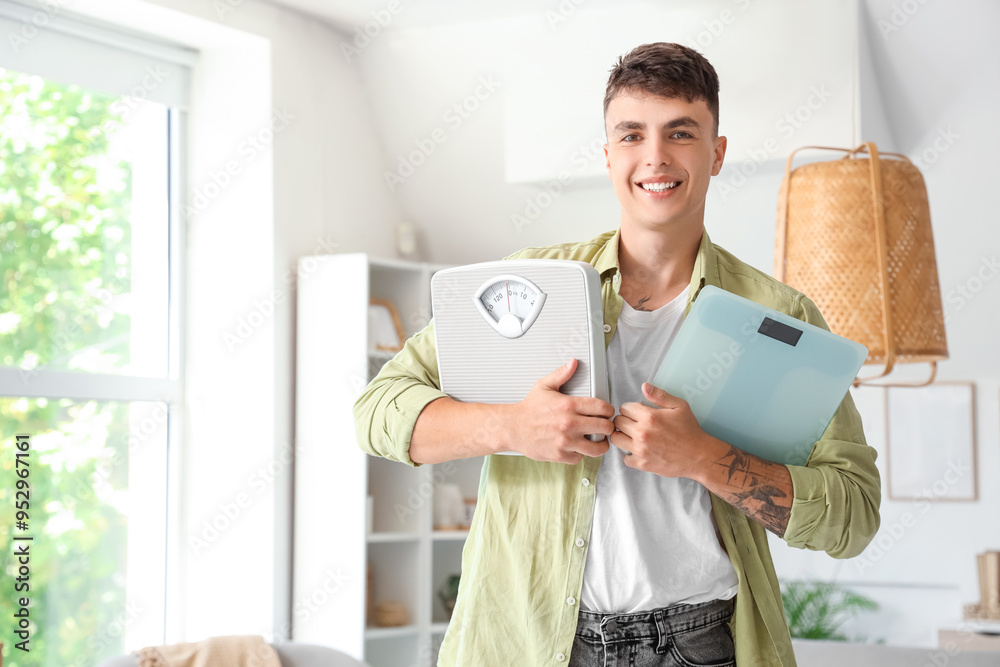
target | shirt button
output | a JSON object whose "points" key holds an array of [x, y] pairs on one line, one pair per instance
{"points": [[571, 601], [608, 279], [586, 482], [579, 542], [560, 657], [607, 328]]}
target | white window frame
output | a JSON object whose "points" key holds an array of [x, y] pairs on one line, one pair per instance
{"points": [[57, 384]]}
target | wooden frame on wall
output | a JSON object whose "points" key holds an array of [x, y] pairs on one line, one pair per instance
{"points": [[930, 442]]}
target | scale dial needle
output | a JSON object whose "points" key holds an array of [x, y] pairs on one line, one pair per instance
{"points": [[524, 302]]}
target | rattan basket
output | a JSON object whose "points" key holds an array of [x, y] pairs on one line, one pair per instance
{"points": [[854, 235]]}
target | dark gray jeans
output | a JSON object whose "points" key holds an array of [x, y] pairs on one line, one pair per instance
{"points": [[681, 636]]}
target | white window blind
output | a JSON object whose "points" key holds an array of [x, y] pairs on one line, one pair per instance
{"points": [[48, 40]]}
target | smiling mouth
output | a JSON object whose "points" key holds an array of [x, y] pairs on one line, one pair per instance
{"points": [[659, 187]]}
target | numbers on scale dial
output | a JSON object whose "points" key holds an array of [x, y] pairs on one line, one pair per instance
{"points": [[509, 304]]}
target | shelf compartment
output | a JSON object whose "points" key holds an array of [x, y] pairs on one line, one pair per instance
{"points": [[375, 538], [387, 649], [376, 633], [395, 574], [376, 360], [439, 628], [401, 496], [450, 535], [447, 560], [406, 288]]}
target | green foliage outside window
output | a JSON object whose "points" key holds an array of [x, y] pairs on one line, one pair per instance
{"points": [[64, 249]]}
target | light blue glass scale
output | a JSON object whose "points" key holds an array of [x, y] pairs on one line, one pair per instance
{"points": [[756, 378]]}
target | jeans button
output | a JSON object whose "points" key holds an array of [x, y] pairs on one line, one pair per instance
{"points": [[611, 626]]}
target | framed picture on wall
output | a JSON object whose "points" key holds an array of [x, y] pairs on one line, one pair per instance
{"points": [[931, 442]]}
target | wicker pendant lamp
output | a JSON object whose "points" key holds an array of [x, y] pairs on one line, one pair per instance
{"points": [[854, 234]]}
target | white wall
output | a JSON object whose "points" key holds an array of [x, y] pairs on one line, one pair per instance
{"points": [[424, 79], [353, 119], [312, 187], [932, 72], [940, 82]]}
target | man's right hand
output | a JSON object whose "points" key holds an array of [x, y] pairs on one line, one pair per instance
{"points": [[546, 426], [551, 426]]}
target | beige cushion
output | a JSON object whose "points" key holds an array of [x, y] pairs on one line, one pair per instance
{"points": [[292, 655]]}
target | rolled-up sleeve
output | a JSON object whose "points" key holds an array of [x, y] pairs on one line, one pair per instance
{"points": [[837, 493], [387, 410]]}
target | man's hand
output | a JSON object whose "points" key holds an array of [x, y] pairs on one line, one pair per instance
{"points": [[670, 442], [551, 426], [666, 441]]}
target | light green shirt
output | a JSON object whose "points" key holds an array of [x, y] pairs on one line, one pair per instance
{"points": [[522, 566]]}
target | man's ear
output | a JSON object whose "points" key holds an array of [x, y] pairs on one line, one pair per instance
{"points": [[720, 155], [607, 161]]}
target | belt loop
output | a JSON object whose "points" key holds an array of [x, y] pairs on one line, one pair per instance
{"points": [[663, 636]]}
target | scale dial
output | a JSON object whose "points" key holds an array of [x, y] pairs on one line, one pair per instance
{"points": [[510, 304]]}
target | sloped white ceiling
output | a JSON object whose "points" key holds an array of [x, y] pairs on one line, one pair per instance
{"points": [[788, 71], [348, 14]]}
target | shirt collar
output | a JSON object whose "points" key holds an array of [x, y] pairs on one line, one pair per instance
{"points": [[706, 264], [706, 268], [606, 261]]}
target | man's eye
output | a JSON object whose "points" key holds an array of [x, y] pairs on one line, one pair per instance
{"points": [[685, 135], [630, 137]]}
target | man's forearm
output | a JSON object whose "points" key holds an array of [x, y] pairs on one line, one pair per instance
{"points": [[546, 426], [759, 488], [448, 429]]}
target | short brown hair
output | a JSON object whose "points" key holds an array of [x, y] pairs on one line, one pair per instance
{"points": [[667, 70]]}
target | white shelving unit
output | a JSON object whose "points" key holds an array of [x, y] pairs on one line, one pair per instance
{"points": [[333, 477]]}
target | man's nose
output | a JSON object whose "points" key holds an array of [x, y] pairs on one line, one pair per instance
{"points": [[659, 152]]}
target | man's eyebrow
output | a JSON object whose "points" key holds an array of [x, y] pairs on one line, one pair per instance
{"points": [[683, 121]]}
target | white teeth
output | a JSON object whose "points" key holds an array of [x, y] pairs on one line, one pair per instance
{"points": [[659, 187]]}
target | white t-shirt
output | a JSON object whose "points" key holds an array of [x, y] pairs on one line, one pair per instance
{"points": [[653, 543]]}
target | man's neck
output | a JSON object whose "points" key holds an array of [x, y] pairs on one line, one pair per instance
{"points": [[656, 266]]}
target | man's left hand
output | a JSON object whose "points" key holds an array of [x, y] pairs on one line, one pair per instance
{"points": [[670, 442]]}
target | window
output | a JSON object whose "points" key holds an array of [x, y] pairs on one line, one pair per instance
{"points": [[89, 352]]}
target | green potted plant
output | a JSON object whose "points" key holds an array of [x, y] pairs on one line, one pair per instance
{"points": [[817, 609]]}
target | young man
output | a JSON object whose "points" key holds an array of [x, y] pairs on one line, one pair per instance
{"points": [[653, 551]]}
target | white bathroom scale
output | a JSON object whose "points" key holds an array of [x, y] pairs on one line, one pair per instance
{"points": [[761, 380], [501, 326]]}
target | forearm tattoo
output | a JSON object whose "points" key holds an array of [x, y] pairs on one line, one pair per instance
{"points": [[755, 486]]}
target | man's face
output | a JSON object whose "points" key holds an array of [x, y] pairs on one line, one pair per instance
{"points": [[654, 141]]}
